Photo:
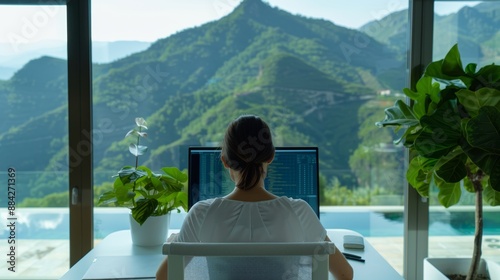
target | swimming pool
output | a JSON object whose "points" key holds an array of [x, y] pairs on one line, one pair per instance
{"points": [[53, 223]]}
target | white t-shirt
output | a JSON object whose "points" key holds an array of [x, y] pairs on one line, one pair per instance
{"points": [[281, 219]]}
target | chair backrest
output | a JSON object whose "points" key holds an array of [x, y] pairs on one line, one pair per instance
{"points": [[267, 260]]}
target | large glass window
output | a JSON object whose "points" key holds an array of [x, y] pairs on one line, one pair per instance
{"points": [[34, 236], [320, 73], [474, 26]]}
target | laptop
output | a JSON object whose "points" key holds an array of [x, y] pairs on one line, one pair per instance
{"points": [[294, 173]]}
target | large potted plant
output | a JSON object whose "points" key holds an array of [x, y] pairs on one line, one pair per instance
{"points": [[452, 129], [150, 196]]}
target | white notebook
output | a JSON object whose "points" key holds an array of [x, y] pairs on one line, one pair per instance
{"points": [[124, 267]]}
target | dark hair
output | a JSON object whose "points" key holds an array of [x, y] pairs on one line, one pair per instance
{"points": [[247, 144]]}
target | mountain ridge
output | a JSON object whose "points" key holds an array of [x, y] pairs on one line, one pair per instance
{"points": [[475, 29]]}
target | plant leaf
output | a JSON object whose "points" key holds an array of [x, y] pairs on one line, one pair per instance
{"points": [[136, 133], [470, 69], [140, 122], [473, 101], [491, 196], [489, 163], [452, 63], [181, 200], [483, 143], [488, 76], [426, 98], [137, 150], [107, 198], [131, 132], [156, 183], [177, 199], [145, 169], [123, 192], [144, 209], [448, 68], [495, 175], [451, 168], [401, 115], [130, 174], [449, 193], [175, 173], [398, 115], [417, 177], [468, 186], [440, 134], [483, 131]]}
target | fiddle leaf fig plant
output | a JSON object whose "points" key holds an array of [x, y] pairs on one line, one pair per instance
{"points": [[146, 193], [452, 130]]}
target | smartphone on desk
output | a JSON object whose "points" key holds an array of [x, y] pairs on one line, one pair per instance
{"points": [[354, 242]]}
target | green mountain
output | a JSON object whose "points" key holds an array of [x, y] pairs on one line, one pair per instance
{"points": [[35, 89], [254, 49], [475, 29]]}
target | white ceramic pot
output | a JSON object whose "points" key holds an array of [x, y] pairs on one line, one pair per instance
{"points": [[437, 268], [153, 231]]}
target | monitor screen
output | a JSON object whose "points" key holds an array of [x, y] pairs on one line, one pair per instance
{"points": [[293, 173]]}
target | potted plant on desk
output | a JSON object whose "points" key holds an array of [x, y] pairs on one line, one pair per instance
{"points": [[452, 130], [150, 196]]}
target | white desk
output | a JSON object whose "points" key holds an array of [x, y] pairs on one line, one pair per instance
{"points": [[120, 244]]}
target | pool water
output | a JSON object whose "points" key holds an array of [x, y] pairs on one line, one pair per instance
{"points": [[53, 223]]}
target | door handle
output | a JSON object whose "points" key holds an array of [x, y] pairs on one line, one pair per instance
{"points": [[75, 197]]}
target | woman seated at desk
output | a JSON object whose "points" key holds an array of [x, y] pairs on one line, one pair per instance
{"points": [[250, 213]]}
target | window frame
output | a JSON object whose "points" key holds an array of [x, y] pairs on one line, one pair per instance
{"points": [[416, 214], [80, 119]]}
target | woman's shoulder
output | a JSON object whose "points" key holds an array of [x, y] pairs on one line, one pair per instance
{"points": [[202, 205], [297, 202]]}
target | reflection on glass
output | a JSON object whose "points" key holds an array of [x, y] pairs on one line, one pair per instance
{"points": [[318, 72], [474, 26], [34, 240]]}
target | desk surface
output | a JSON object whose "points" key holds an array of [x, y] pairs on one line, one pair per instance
{"points": [[120, 244]]}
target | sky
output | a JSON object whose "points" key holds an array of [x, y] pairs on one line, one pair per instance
{"points": [[161, 18]]}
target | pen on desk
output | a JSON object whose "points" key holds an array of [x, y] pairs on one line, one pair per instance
{"points": [[353, 257]]}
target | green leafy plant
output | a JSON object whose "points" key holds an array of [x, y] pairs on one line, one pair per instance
{"points": [[452, 129], [144, 192]]}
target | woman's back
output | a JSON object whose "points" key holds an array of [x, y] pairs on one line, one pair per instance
{"points": [[224, 220], [276, 220]]}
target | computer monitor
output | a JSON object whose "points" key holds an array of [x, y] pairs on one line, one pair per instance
{"points": [[294, 173]]}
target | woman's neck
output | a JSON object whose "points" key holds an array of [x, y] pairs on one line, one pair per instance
{"points": [[257, 193]]}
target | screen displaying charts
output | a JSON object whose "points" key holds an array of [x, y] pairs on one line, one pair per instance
{"points": [[293, 173]]}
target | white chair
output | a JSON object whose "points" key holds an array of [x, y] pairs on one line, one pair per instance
{"points": [[269, 260]]}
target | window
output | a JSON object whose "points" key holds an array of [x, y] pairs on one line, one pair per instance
{"points": [[474, 26], [319, 73], [34, 240]]}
